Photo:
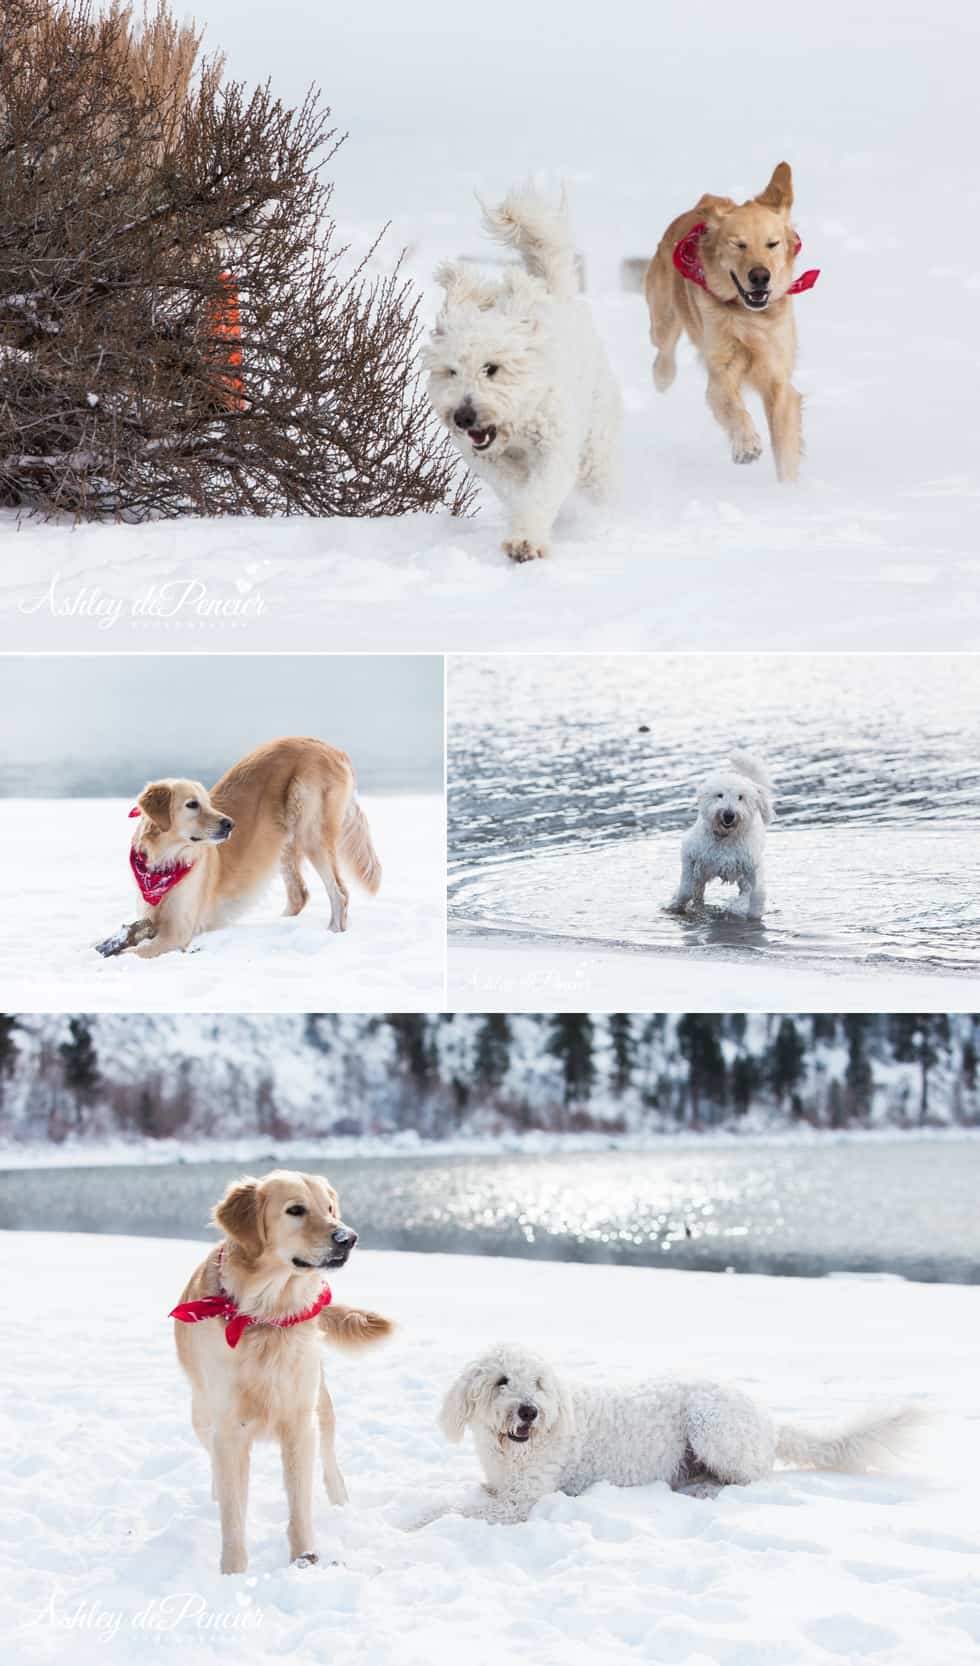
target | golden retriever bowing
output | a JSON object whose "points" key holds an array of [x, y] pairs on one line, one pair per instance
{"points": [[741, 320], [259, 1377], [200, 857]]}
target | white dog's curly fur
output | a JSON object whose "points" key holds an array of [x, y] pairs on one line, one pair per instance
{"points": [[519, 377], [728, 840], [536, 1434]]}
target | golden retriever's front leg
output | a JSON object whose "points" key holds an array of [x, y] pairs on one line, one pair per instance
{"points": [[783, 414], [725, 400], [165, 941], [332, 1478], [231, 1452], [297, 1443]]}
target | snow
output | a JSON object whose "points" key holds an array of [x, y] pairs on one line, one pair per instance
{"points": [[505, 972], [109, 1538], [877, 547], [390, 958]]}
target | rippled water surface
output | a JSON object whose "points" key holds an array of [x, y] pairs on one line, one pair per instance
{"points": [[871, 1207], [572, 778]]}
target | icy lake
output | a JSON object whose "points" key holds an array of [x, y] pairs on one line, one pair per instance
{"points": [[883, 1206], [572, 779]]}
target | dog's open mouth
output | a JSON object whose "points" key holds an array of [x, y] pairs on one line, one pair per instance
{"points": [[481, 439], [756, 300], [520, 1434], [337, 1259]]}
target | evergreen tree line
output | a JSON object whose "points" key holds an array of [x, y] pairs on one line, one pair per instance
{"points": [[445, 1074]]}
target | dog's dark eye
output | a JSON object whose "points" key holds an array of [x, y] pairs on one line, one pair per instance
{"points": [[490, 369], [773, 245], [741, 245], [448, 372], [192, 804], [719, 795], [296, 1209], [501, 1382]]}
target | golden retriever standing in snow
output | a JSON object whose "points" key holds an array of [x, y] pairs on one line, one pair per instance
{"points": [[723, 272], [248, 1331], [200, 857]]}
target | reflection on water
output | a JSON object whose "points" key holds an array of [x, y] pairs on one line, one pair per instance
{"points": [[875, 1207], [894, 895]]}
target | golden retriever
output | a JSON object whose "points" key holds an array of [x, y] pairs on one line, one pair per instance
{"points": [[255, 1363], [737, 310], [200, 857]]}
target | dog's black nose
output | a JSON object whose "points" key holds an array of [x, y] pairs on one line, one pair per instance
{"points": [[759, 277], [226, 824], [728, 816], [345, 1235], [527, 1414], [464, 415]]}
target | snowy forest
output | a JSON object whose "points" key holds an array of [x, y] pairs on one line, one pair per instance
{"points": [[444, 1076]]}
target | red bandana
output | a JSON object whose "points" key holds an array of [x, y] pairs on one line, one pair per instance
{"points": [[687, 259], [154, 883], [222, 1306]]}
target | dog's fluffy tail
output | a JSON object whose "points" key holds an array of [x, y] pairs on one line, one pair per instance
{"points": [[357, 849], [745, 764], [539, 231], [875, 1440], [353, 1327]]}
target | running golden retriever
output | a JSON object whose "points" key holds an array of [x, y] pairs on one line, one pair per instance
{"points": [[200, 857], [248, 1330], [723, 272]]}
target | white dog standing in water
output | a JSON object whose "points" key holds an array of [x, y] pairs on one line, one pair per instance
{"points": [[728, 840], [536, 1434], [519, 376]]}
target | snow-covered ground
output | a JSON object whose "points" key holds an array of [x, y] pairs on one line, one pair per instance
{"points": [[109, 1538], [877, 547], [504, 972], [390, 958]]}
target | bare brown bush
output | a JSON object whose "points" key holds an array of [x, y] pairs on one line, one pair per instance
{"points": [[144, 209]]}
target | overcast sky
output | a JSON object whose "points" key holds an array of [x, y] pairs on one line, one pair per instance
{"points": [[101, 726]]}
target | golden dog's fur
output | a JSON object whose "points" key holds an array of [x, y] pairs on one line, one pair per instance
{"points": [[739, 345], [287, 800], [271, 1386]]}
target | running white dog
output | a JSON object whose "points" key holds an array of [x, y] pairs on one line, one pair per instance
{"points": [[519, 377], [536, 1434], [728, 840]]}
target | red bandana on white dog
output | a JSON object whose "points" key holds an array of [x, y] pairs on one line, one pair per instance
{"points": [[687, 259], [223, 1306]]}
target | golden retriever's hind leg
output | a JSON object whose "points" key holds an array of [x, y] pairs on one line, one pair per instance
{"points": [[297, 896], [231, 1466], [332, 1478], [784, 408], [297, 1444], [665, 325]]}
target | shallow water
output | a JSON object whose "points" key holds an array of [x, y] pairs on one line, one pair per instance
{"points": [[785, 1209], [876, 760]]}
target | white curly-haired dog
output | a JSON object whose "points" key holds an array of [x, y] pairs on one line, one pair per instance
{"points": [[728, 840], [536, 1434], [519, 376]]}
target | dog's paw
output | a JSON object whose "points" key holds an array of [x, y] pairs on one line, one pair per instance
{"points": [[308, 1559], [522, 549], [748, 450], [664, 371]]}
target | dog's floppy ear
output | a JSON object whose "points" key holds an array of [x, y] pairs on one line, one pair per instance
{"points": [[778, 194], [462, 284], [154, 801], [713, 208], [459, 1406], [565, 1419], [238, 1214]]}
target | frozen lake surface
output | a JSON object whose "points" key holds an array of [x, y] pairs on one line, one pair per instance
{"points": [[880, 1207]]}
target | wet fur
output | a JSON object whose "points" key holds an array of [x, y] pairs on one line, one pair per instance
{"points": [[271, 1386], [291, 801], [739, 348]]}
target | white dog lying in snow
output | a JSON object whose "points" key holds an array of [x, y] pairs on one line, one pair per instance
{"points": [[519, 377], [728, 840], [536, 1434]]}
